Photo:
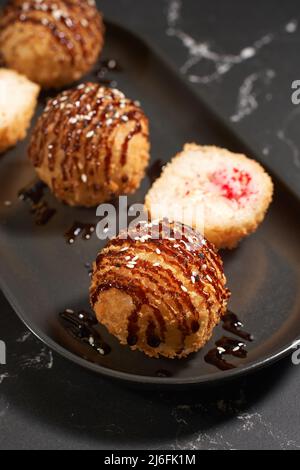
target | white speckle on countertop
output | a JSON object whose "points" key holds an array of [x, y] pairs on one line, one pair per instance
{"points": [[248, 52], [266, 151], [292, 26]]}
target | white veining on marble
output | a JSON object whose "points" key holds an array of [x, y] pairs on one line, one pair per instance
{"points": [[249, 92], [284, 134], [199, 440], [252, 420], [24, 337], [4, 406], [240, 423], [3, 377], [203, 51], [42, 360]]}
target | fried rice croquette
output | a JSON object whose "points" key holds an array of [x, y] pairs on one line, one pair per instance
{"points": [[52, 42], [90, 145], [233, 192], [160, 289]]}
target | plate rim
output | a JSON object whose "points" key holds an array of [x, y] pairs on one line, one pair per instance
{"points": [[204, 380]]}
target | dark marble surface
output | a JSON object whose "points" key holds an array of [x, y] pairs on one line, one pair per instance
{"points": [[242, 58]]}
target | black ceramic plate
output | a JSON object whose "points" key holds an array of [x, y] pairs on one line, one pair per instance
{"points": [[41, 275]]}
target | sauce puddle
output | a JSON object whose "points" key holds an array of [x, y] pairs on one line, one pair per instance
{"points": [[229, 346], [39, 207], [82, 326]]}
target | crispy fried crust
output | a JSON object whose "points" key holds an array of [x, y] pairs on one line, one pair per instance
{"points": [[54, 42], [163, 296], [18, 99], [90, 144], [234, 206]]}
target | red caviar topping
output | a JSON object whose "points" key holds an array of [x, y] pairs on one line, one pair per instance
{"points": [[234, 184]]}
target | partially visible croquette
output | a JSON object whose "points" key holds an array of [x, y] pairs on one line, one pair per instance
{"points": [[18, 100]]}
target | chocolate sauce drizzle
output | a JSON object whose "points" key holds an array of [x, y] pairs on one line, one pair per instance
{"points": [[39, 207], [82, 326], [79, 228], [225, 346], [232, 324], [83, 122], [229, 346], [183, 254], [70, 23]]}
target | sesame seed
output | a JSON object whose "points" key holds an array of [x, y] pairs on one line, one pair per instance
{"points": [[84, 178], [90, 134], [158, 251], [184, 289], [69, 22]]}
